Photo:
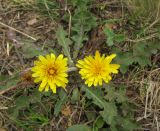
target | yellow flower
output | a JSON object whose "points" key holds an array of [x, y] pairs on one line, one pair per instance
{"points": [[95, 70], [51, 72]]}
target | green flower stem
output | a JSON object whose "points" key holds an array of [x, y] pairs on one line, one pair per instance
{"points": [[72, 69]]}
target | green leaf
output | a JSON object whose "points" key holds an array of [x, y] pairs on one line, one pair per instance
{"points": [[79, 127], [126, 123], [153, 47], [95, 128], [110, 93], [109, 112], [121, 95], [110, 109], [60, 102], [95, 94], [30, 50], [3, 78], [83, 18], [113, 128], [8, 81], [90, 115], [75, 95], [65, 42], [110, 36], [99, 122], [143, 61], [78, 39], [119, 38], [125, 59], [83, 21], [141, 54], [111, 21], [110, 41], [109, 32], [80, 2], [21, 102], [129, 125], [35, 96], [117, 94], [40, 118]]}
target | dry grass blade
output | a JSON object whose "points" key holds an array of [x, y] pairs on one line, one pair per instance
{"points": [[18, 31], [23, 84], [152, 104]]}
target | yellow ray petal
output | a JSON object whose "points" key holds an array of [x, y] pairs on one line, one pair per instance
{"points": [[53, 88], [60, 57], [37, 80], [47, 88], [97, 55], [108, 59], [42, 58]]}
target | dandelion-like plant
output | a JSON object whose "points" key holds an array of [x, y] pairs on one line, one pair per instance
{"points": [[51, 72], [95, 70]]}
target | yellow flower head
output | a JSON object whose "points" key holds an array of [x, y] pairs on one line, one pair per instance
{"points": [[97, 69], [51, 72]]}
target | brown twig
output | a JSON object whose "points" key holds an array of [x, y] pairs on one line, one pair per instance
{"points": [[143, 39], [70, 22], [3, 108], [18, 31], [15, 87]]}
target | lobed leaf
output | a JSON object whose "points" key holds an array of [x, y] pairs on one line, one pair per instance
{"points": [[60, 102], [65, 42], [80, 127]]}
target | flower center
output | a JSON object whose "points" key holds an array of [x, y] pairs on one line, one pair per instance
{"points": [[98, 70], [51, 71]]}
